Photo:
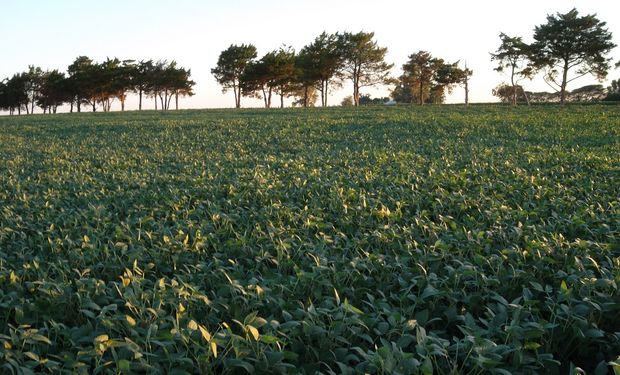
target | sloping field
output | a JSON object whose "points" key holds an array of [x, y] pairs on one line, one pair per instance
{"points": [[381, 240]]}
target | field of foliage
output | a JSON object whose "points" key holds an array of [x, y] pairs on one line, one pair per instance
{"points": [[445, 240]]}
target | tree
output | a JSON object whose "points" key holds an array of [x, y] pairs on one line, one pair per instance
{"points": [[364, 61], [513, 55], [80, 74], [166, 81], [306, 79], [33, 79], [108, 82], [320, 64], [448, 76], [15, 93], [467, 73], [568, 41], [613, 91], [284, 72], [230, 67], [366, 99], [402, 92], [96, 86], [347, 101], [507, 93], [122, 80], [156, 84], [426, 79], [275, 73], [140, 75], [258, 79], [3, 96], [305, 96], [179, 83], [54, 91], [419, 74]]}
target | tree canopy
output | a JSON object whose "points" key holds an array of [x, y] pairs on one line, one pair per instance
{"points": [[274, 72], [513, 56], [570, 41], [426, 79], [364, 61], [230, 67], [320, 64]]}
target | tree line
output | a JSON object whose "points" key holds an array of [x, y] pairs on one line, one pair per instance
{"points": [[568, 46], [566, 43], [96, 85], [325, 64]]}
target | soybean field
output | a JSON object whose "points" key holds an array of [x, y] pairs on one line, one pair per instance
{"points": [[402, 240]]}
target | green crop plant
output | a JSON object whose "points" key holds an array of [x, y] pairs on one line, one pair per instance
{"points": [[435, 240]]}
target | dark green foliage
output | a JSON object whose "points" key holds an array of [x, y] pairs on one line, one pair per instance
{"points": [[571, 42], [319, 64], [82, 83], [96, 84], [231, 65], [273, 73], [426, 79], [589, 93], [363, 61], [14, 96], [613, 91], [166, 81], [379, 240], [33, 79], [513, 56], [366, 99], [54, 91]]}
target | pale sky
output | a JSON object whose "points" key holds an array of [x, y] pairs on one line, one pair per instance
{"points": [[51, 34]]}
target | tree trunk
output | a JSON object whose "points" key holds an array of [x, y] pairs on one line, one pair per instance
{"points": [[466, 91], [140, 102], [94, 106], [420, 91], [326, 92], [527, 98], [269, 92], [71, 110], [265, 97], [281, 99], [169, 99], [79, 105], [155, 97], [356, 88], [306, 97], [237, 95], [514, 86], [176, 101], [122, 103], [564, 78]]}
